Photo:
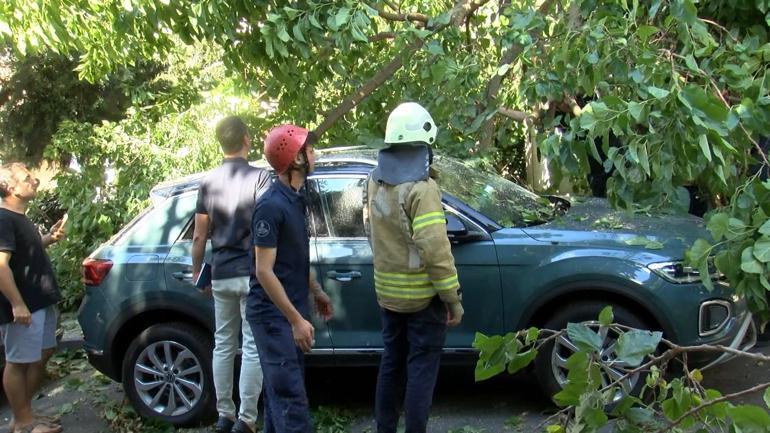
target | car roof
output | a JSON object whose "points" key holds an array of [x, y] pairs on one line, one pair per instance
{"points": [[339, 160]]}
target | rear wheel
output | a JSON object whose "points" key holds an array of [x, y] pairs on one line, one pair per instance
{"points": [[551, 360], [167, 374]]}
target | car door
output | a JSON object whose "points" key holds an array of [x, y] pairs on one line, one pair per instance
{"points": [[178, 263], [344, 261], [345, 264]]}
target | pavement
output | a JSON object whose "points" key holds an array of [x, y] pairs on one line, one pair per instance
{"points": [[91, 403]]}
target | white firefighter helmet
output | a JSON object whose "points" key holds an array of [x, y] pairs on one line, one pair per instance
{"points": [[410, 124]]}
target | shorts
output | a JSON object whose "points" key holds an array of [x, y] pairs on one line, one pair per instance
{"points": [[24, 344]]}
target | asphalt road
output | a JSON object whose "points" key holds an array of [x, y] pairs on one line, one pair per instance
{"points": [[503, 404]]}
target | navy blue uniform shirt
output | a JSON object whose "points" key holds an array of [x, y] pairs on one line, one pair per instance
{"points": [[279, 222]]}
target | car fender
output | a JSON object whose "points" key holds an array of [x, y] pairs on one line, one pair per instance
{"points": [[627, 280], [172, 305]]}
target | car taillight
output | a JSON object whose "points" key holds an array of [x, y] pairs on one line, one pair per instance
{"points": [[94, 271]]}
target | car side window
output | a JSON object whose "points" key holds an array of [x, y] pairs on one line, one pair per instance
{"points": [[341, 200], [162, 224]]}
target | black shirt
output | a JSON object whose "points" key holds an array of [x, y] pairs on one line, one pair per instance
{"points": [[279, 222], [32, 271], [228, 195]]}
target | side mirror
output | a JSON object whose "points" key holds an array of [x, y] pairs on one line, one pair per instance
{"points": [[455, 228]]}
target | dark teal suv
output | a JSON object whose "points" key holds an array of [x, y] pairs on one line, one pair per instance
{"points": [[522, 259]]}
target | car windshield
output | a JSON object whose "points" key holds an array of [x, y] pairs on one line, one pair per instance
{"points": [[499, 199]]}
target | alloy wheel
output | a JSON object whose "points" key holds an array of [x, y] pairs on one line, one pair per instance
{"points": [[610, 367], [168, 378]]}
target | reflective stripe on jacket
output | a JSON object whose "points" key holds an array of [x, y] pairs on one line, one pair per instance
{"points": [[412, 255]]}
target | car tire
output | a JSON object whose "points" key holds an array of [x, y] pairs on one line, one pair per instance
{"points": [[551, 377], [167, 374]]}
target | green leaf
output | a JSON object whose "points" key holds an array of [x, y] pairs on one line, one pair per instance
{"points": [[606, 316], [636, 111], [692, 65], [434, 47], [717, 225], [341, 17], [766, 397], [492, 358], [684, 10], [592, 58], [704, 146], [748, 263], [532, 334], [762, 249], [521, 360], [749, 419], [282, 33], [653, 245], [707, 109], [587, 120], [644, 32], [297, 32], [358, 34], [765, 228], [443, 19], [502, 70], [637, 241], [735, 228], [634, 345], [657, 92], [314, 21], [583, 337]]}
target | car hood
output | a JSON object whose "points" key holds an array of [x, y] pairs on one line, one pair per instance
{"points": [[592, 222]]}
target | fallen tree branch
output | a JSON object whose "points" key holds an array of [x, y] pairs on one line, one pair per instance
{"points": [[495, 83], [368, 87], [382, 36], [390, 68], [395, 16], [516, 115], [721, 399]]}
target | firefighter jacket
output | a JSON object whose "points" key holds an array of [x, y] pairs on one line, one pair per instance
{"points": [[413, 259]]}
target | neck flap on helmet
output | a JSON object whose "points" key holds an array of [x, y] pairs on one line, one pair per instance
{"points": [[401, 164]]}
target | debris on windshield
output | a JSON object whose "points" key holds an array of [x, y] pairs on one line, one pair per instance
{"points": [[644, 241]]}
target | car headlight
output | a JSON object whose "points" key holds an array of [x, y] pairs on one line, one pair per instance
{"points": [[680, 273]]}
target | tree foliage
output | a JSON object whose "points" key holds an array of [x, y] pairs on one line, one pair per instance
{"points": [[118, 162], [591, 403]]}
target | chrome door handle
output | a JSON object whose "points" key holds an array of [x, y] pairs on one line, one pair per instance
{"points": [[183, 276], [343, 276]]}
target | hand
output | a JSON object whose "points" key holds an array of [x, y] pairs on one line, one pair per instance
{"points": [[303, 334], [454, 314], [21, 315], [323, 305], [57, 231], [206, 290]]}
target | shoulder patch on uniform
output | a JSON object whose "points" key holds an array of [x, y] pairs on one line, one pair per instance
{"points": [[262, 228]]}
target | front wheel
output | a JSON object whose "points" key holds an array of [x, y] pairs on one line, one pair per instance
{"points": [[550, 364], [167, 374]]}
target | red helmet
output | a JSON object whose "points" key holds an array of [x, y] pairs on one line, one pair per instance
{"points": [[282, 144]]}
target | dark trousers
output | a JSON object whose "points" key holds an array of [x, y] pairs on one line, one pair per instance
{"points": [[283, 367], [409, 366]]}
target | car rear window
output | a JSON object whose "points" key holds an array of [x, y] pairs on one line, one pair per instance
{"points": [[160, 224]]}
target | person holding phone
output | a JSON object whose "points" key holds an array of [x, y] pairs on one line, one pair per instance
{"points": [[29, 292]]}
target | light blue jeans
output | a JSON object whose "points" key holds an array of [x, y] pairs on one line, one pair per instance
{"points": [[229, 315]]}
